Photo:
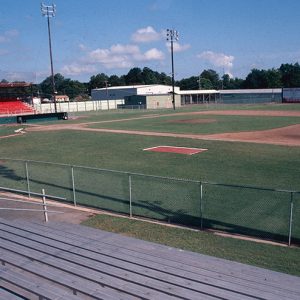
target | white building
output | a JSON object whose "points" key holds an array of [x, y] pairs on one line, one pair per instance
{"points": [[120, 92]]}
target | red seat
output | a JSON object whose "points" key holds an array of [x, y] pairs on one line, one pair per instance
{"points": [[14, 106]]}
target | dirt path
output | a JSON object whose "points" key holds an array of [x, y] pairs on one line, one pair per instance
{"points": [[289, 135]]}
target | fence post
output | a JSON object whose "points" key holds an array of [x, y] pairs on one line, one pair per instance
{"points": [[291, 218], [45, 206], [73, 186], [201, 198], [130, 197], [27, 179]]}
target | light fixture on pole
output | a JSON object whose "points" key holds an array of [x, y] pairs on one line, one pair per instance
{"points": [[172, 36], [49, 11]]}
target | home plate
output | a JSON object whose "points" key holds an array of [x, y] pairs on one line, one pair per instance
{"points": [[179, 150]]}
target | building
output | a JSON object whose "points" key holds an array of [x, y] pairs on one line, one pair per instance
{"points": [[291, 95], [138, 96], [160, 96], [152, 101], [120, 92], [62, 98]]}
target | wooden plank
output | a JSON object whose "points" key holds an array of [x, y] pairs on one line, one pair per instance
{"points": [[88, 282], [95, 260], [61, 278], [163, 259], [187, 258], [4, 294], [199, 263], [153, 279], [38, 287]]}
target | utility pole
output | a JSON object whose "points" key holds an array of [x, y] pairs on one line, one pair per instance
{"points": [[106, 86], [49, 11], [199, 81], [172, 35]]}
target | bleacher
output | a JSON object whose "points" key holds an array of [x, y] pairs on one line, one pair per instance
{"points": [[58, 260], [14, 106]]}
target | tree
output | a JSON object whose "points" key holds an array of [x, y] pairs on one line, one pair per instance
{"points": [[114, 80], [273, 78], [98, 81], [134, 76], [290, 75], [256, 79], [212, 77], [63, 86], [164, 79], [263, 79], [46, 85], [149, 76], [191, 83], [73, 88]]}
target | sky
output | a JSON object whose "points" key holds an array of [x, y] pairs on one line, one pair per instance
{"points": [[113, 36]]}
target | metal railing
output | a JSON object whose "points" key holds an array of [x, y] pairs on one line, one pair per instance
{"points": [[247, 210], [44, 204]]}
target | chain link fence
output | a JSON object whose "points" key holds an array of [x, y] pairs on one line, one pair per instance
{"points": [[252, 211]]}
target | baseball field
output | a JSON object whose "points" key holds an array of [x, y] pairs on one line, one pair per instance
{"points": [[252, 154]]}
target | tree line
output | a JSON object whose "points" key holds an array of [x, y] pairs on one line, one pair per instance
{"points": [[287, 75]]}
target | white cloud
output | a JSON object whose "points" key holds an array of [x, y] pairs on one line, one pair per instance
{"points": [[122, 56], [124, 49], [217, 59], [118, 56], [146, 35], [8, 35], [177, 47], [82, 47], [154, 54], [77, 69]]}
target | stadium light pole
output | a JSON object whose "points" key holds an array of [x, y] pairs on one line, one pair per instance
{"points": [[172, 36], [49, 11]]}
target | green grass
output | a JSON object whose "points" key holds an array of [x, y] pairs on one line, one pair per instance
{"points": [[217, 124], [9, 129], [282, 259], [225, 162]]}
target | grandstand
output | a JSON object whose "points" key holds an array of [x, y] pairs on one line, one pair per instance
{"points": [[13, 98], [14, 106]]}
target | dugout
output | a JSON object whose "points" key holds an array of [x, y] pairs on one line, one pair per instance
{"points": [[199, 96], [251, 96], [42, 117]]}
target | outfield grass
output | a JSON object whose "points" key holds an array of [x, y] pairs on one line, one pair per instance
{"points": [[216, 124], [277, 258]]}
